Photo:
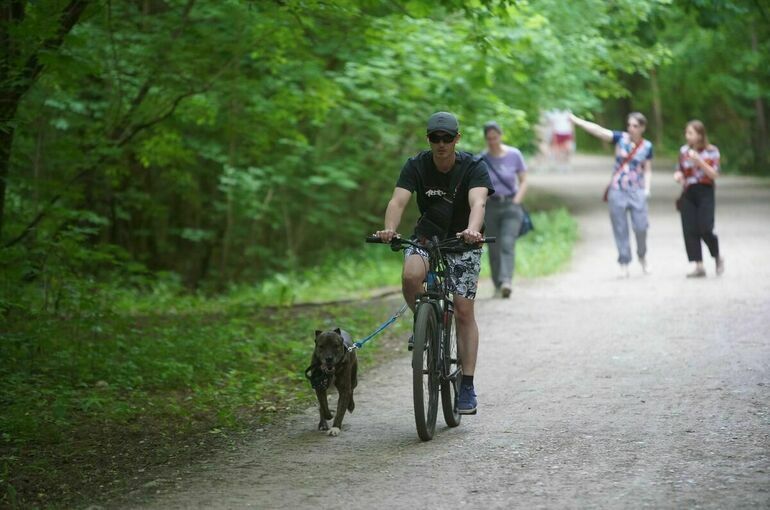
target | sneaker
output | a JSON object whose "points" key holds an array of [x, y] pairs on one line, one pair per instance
{"points": [[505, 291], [624, 272], [720, 265], [497, 293], [698, 273], [410, 343], [466, 401], [645, 266]]}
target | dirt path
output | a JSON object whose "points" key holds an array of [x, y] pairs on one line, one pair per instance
{"points": [[594, 391]]}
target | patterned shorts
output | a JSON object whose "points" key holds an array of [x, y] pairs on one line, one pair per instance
{"points": [[463, 269]]}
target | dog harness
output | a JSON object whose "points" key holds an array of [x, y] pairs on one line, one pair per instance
{"points": [[319, 379]]}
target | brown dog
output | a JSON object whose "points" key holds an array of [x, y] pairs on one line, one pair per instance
{"points": [[332, 362]]}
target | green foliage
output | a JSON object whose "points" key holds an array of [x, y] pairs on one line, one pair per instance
{"points": [[230, 141], [715, 70], [545, 250], [548, 248]]}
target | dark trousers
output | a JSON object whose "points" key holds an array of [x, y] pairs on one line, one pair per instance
{"points": [[697, 210]]}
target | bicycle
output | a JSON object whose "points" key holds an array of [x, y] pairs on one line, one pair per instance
{"points": [[436, 364]]}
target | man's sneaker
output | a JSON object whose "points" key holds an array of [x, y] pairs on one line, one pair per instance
{"points": [[505, 290], [466, 401], [624, 272], [410, 343], [645, 266], [720, 265]]}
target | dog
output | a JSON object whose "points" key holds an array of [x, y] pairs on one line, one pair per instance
{"points": [[333, 362]]}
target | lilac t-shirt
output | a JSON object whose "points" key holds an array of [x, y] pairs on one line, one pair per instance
{"points": [[505, 175]]}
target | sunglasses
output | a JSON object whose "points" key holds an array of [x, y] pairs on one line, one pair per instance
{"points": [[437, 137]]}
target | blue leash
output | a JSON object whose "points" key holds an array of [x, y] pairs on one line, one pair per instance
{"points": [[360, 343]]}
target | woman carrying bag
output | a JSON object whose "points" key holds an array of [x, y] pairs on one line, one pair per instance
{"points": [[629, 186], [697, 170], [504, 212]]}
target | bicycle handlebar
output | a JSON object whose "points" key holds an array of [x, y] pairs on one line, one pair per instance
{"points": [[400, 240]]}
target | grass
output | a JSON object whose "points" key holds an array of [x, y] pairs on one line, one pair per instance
{"points": [[93, 404], [545, 250], [87, 403]]}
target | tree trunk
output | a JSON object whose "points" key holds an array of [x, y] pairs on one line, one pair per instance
{"points": [[6, 142], [657, 110], [760, 139], [15, 82]]}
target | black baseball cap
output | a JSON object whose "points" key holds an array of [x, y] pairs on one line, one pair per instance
{"points": [[443, 121]]}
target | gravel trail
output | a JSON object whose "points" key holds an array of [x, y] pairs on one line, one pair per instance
{"points": [[595, 392]]}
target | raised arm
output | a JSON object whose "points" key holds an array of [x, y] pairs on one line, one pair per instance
{"points": [[393, 213], [592, 128]]}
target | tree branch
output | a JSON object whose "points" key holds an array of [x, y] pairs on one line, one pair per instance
{"points": [[68, 18], [41, 214], [147, 85], [129, 133], [144, 125]]}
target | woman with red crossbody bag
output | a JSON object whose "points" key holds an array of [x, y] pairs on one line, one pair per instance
{"points": [[629, 186]]}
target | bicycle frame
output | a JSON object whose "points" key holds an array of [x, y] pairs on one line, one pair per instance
{"points": [[435, 349]]}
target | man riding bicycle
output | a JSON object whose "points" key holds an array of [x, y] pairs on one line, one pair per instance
{"points": [[452, 189]]}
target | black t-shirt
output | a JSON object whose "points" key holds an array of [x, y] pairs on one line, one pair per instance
{"points": [[444, 195]]}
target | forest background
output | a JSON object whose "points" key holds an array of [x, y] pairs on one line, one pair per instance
{"points": [[170, 167], [217, 143]]}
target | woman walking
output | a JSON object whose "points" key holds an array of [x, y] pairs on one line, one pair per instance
{"points": [[697, 170], [629, 187], [504, 212]]}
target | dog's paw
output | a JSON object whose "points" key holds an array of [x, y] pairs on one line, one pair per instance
{"points": [[334, 431], [322, 425]]}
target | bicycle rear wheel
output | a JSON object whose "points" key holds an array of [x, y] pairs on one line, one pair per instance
{"points": [[425, 374], [452, 375]]}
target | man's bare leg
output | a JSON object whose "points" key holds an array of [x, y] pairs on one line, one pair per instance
{"points": [[415, 269], [467, 333]]}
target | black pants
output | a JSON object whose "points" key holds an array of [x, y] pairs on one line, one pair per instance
{"points": [[697, 209]]}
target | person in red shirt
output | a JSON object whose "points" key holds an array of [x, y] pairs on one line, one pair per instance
{"points": [[697, 171]]}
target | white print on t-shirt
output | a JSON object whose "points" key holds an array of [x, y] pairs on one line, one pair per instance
{"points": [[435, 192]]}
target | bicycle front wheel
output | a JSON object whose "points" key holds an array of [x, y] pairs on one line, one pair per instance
{"points": [[425, 370], [452, 375]]}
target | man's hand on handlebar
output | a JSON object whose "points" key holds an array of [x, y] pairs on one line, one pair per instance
{"points": [[386, 235], [470, 236]]}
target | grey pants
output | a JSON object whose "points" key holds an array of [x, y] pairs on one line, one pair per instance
{"points": [[621, 203], [503, 221]]}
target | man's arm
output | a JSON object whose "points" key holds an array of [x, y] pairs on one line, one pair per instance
{"points": [[477, 199], [594, 129], [393, 213]]}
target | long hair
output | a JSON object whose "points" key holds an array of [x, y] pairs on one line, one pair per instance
{"points": [[699, 128]]}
